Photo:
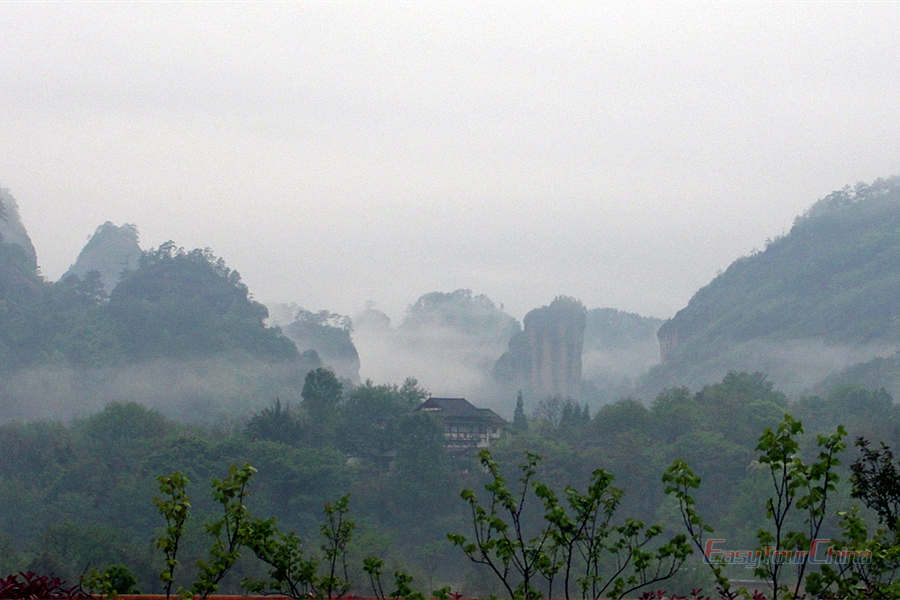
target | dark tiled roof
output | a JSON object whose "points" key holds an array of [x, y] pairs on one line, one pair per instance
{"points": [[459, 408]]}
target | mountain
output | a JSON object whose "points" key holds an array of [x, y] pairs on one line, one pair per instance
{"points": [[457, 329], [461, 312], [181, 303], [448, 340], [12, 231], [545, 359], [110, 251], [180, 333], [817, 300], [326, 333]]}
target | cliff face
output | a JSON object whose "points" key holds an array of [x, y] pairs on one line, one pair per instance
{"points": [[546, 358], [668, 342], [12, 231], [110, 251]]}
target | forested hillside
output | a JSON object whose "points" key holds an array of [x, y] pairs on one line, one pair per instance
{"points": [[817, 300], [179, 332]]}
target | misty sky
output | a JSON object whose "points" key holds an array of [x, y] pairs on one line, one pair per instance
{"points": [[340, 152]]}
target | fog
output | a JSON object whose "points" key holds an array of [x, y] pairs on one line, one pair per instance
{"points": [[221, 390], [618, 153], [445, 361]]}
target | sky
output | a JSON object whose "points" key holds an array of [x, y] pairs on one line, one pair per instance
{"points": [[336, 153]]}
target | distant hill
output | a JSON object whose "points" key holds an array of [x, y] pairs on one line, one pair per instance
{"points": [[447, 340], [815, 301], [111, 251], [180, 333], [180, 303], [619, 343], [619, 347], [881, 372], [326, 333]]}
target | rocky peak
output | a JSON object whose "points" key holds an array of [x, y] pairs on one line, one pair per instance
{"points": [[546, 357], [111, 250], [12, 231]]}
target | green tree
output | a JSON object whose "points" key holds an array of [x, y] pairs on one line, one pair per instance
{"points": [[520, 421], [422, 467], [616, 559], [229, 532], [872, 573], [277, 423], [321, 399], [291, 572], [175, 507]]}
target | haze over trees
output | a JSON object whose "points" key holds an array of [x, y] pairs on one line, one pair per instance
{"points": [[176, 368], [325, 333]]}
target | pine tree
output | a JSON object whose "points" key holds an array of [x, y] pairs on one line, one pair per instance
{"points": [[520, 422]]}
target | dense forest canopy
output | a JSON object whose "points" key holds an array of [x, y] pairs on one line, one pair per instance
{"points": [[82, 492]]}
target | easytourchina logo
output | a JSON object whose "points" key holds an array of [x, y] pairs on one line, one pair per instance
{"points": [[820, 552]]}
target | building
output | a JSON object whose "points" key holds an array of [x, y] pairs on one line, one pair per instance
{"points": [[465, 426]]}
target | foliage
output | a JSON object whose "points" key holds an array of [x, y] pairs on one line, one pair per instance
{"points": [[874, 574], [876, 481], [293, 574], [403, 590], [190, 303], [461, 311], [277, 423], [322, 394], [31, 586], [175, 507], [577, 531], [520, 421], [62, 485], [328, 334], [680, 480], [796, 484], [112, 581], [228, 532]]}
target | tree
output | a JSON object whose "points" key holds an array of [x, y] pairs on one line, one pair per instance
{"points": [[520, 421], [229, 532], [291, 572], [500, 541], [276, 423], [874, 562], [421, 469], [174, 506], [575, 532], [796, 485], [321, 396], [795, 481], [370, 415]]}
